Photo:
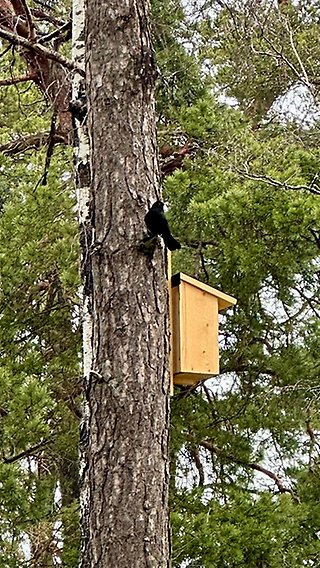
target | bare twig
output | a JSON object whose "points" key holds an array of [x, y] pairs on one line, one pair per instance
{"points": [[295, 51], [313, 188], [255, 466], [316, 236], [195, 244], [203, 264], [277, 53]]}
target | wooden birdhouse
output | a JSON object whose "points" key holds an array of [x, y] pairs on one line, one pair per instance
{"points": [[194, 328]]}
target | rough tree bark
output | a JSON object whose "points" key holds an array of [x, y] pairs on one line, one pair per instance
{"points": [[125, 431]]}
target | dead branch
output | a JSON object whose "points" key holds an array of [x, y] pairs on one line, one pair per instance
{"points": [[51, 144], [16, 80], [41, 50], [316, 236], [33, 141], [42, 16], [255, 466], [310, 432], [57, 34], [31, 25], [46, 65], [174, 162], [196, 458]]}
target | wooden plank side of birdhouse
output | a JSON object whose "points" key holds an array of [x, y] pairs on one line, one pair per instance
{"points": [[175, 329], [198, 330], [224, 300]]}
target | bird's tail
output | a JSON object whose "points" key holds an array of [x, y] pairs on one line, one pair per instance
{"points": [[171, 242]]}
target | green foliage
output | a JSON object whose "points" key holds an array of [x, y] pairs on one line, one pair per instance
{"points": [[245, 211], [243, 533], [259, 51], [179, 73], [40, 346]]}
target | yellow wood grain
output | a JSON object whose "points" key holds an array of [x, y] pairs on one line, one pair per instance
{"points": [[198, 330], [194, 308], [224, 300]]}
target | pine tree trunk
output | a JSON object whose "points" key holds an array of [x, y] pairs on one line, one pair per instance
{"points": [[125, 433]]}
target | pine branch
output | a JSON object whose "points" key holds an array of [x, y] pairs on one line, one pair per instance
{"points": [[255, 466], [41, 50]]}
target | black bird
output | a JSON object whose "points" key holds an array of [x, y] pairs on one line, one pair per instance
{"points": [[157, 224]]}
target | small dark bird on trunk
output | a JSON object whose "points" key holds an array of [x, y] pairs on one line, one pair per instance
{"points": [[157, 224]]}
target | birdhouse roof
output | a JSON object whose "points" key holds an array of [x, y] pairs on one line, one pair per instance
{"points": [[224, 300]]}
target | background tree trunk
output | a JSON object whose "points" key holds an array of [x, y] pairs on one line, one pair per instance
{"points": [[125, 434]]}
